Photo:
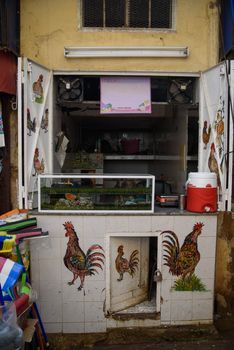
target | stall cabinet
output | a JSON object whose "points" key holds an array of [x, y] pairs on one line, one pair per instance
{"points": [[188, 129]]}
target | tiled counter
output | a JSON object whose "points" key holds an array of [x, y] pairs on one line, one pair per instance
{"points": [[66, 309]]}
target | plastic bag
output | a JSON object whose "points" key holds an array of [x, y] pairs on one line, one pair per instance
{"points": [[11, 335]]}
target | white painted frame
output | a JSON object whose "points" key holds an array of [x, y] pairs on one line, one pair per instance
{"points": [[97, 176]]}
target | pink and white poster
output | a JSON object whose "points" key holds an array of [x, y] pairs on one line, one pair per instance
{"points": [[125, 95]]}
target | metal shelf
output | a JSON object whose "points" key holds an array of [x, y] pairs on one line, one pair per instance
{"points": [[145, 157]]}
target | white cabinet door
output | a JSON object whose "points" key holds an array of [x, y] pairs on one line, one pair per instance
{"points": [[131, 256], [215, 129], [34, 127]]}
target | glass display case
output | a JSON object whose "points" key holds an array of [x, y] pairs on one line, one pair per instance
{"points": [[96, 193]]}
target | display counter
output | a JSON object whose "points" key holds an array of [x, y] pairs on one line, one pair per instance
{"points": [[96, 193]]}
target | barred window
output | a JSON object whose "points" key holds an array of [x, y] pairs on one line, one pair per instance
{"points": [[127, 14]]}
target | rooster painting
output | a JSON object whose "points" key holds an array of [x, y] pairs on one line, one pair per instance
{"points": [[206, 134], [38, 164], [79, 263], [31, 124], [183, 260], [213, 164], [38, 89], [123, 265]]}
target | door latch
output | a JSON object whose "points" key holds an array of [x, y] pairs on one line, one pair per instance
{"points": [[157, 276]]}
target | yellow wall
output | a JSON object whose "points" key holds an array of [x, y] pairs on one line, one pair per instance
{"points": [[49, 25]]}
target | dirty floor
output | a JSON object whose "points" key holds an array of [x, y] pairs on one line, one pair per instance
{"points": [[163, 338]]}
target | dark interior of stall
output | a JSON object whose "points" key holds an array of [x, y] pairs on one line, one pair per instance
{"points": [[163, 143]]}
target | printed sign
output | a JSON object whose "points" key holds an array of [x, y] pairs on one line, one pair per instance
{"points": [[125, 95]]}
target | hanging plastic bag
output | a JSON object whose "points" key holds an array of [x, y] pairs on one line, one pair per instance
{"points": [[11, 335]]}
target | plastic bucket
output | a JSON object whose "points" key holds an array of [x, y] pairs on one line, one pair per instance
{"points": [[202, 192], [202, 180], [202, 200]]}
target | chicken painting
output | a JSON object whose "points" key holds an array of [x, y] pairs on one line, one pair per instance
{"points": [[79, 263], [45, 121], [31, 124], [219, 128], [183, 260], [213, 164], [206, 134], [38, 164], [123, 265], [38, 89]]}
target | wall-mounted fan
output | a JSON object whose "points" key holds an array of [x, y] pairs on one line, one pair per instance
{"points": [[70, 89], [180, 91]]}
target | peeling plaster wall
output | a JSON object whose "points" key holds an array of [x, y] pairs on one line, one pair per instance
{"points": [[49, 25], [224, 285]]}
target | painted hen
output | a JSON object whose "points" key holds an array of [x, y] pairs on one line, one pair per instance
{"points": [[183, 260], [213, 164], [123, 265], [206, 134], [79, 263]]}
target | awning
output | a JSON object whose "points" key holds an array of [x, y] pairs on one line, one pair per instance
{"points": [[8, 71]]}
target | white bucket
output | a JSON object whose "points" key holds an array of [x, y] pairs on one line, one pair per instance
{"points": [[202, 180]]}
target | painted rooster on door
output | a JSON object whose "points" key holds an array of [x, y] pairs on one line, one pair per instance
{"points": [[183, 260], [79, 263], [123, 265]]}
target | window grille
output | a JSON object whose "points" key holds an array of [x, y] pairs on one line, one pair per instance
{"points": [[127, 14]]}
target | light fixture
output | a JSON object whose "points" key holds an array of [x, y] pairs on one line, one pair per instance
{"points": [[134, 51]]}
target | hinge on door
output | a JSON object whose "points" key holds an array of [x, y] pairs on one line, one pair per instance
{"points": [[22, 78], [29, 67]]}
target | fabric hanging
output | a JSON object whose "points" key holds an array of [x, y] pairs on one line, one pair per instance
{"points": [[2, 138]]}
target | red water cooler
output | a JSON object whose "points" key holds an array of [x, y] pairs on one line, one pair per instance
{"points": [[202, 192]]}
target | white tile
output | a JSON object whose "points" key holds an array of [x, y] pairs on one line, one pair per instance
{"points": [[34, 249], [181, 295], [140, 224], [116, 224], [73, 328], [181, 310], [162, 223], [51, 311], [203, 309], [207, 246], [73, 311], [202, 295], [53, 327], [210, 226], [89, 241], [183, 225], [54, 224], [94, 226], [166, 288], [209, 284], [205, 268], [71, 293], [94, 312], [49, 289], [165, 309], [95, 291], [34, 270], [50, 269], [95, 327], [52, 250]]}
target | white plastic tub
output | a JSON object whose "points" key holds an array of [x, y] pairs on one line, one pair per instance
{"points": [[202, 180]]}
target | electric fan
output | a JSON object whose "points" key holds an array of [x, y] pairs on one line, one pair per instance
{"points": [[180, 91], [70, 89]]}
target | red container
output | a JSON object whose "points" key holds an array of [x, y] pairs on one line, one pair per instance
{"points": [[130, 146], [202, 200]]}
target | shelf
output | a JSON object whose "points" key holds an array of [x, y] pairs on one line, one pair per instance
{"points": [[146, 157], [140, 157]]}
